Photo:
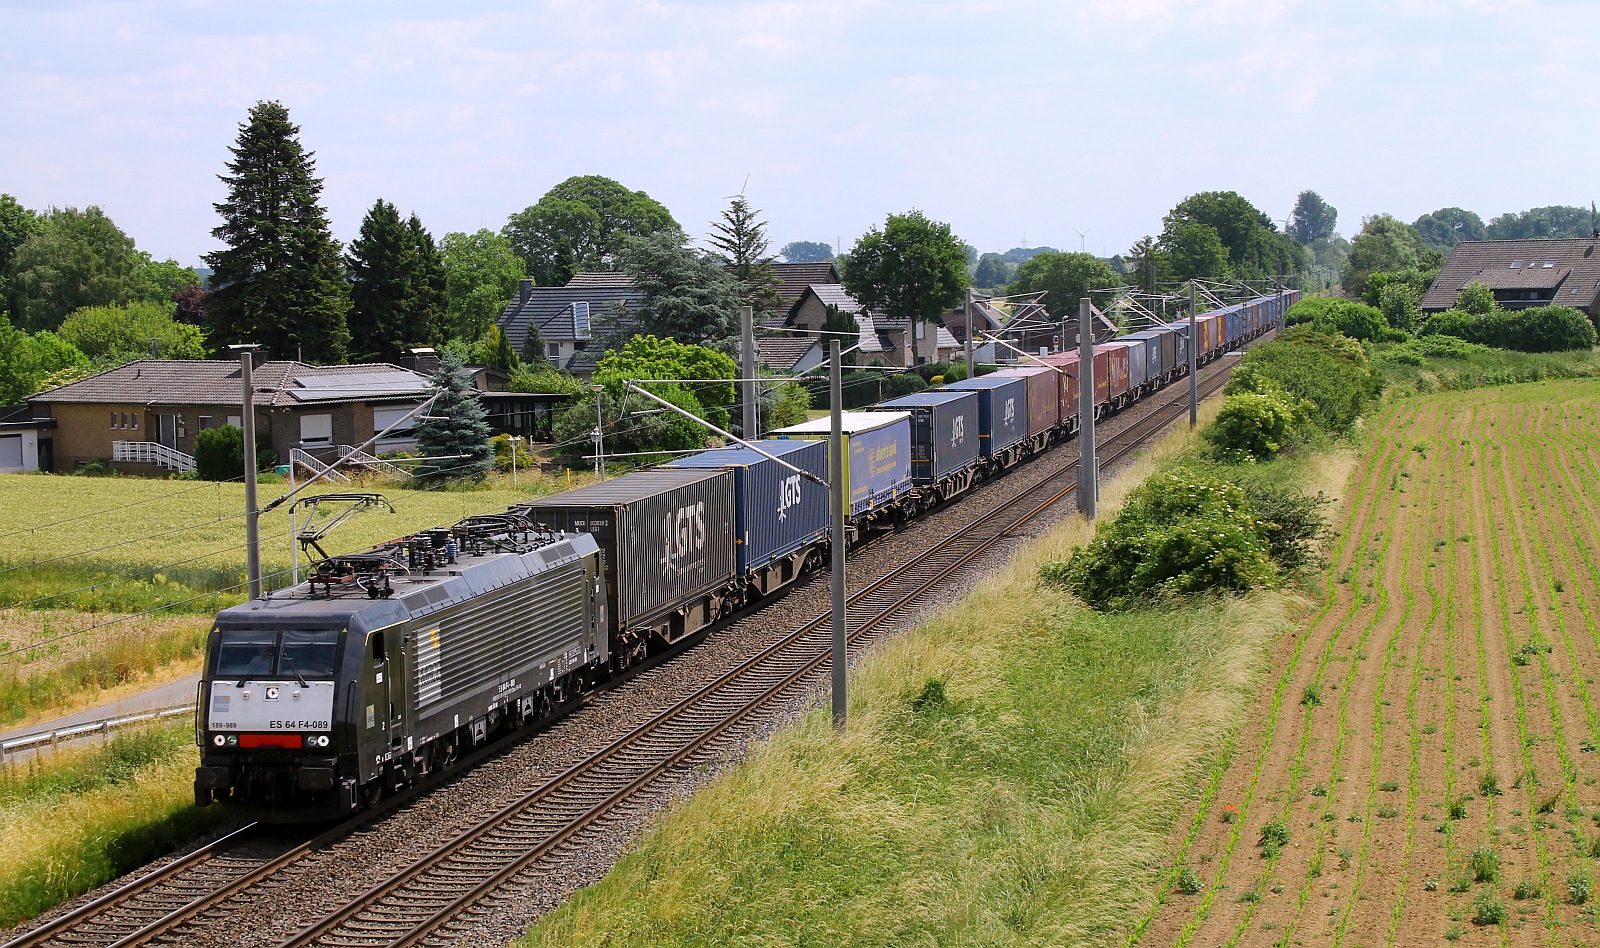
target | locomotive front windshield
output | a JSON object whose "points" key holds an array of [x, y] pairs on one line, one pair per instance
{"points": [[276, 653]]}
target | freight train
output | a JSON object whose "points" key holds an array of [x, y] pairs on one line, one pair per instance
{"points": [[389, 664]]}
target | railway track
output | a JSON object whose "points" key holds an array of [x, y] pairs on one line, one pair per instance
{"points": [[435, 898]]}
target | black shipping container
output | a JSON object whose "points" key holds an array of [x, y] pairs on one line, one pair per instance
{"points": [[778, 511], [944, 431], [667, 535]]}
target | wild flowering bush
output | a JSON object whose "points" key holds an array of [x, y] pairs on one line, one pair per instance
{"points": [[1253, 426], [1181, 534]]}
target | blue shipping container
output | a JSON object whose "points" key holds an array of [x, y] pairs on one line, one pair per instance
{"points": [[1002, 410], [877, 449], [1138, 360], [944, 431], [1155, 365], [776, 511]]}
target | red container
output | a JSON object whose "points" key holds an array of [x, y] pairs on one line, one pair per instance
{"points": [[1117, 371], [1102, 376], [1044, 395]]}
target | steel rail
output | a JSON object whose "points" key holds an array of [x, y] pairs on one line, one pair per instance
{"points": [[433, 917]]}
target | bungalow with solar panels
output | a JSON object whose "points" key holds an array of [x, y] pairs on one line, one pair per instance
{"points": [[1522, 273], [143, 417]]}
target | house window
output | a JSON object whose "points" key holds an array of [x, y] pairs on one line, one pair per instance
{"points": [[10, 451], [206, 423], [316, 429], [114, 420], [134, 418], [382, 418], [234, 421], [1547, 265], [553, 351], [1516, 264], [580, 320]]}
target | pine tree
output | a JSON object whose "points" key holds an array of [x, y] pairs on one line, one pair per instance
{"points": [[279, 282], [455, 431], [431, 301], [384, 268], [533, 346], [741, 241]]}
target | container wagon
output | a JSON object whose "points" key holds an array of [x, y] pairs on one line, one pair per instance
{"points": [[1138, 364], [1002, 417], [780, 517], [665, 533], [946, 457], [877, 461], [1044, 401], [1116, 375]]}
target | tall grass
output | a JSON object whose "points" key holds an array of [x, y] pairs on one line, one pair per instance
{"points": [[1481, 369], [78, 818], [1009, 776], [77, 671]]}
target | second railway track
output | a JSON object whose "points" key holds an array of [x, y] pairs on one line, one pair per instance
{"points": [[436, 898]]}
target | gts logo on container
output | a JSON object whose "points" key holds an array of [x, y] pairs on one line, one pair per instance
{"points": [[788, 495], [685, 535], [958, 430], [1011, 411]]}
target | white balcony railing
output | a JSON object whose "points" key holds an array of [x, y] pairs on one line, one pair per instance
{"points": [[151, 452], [299, 458]]}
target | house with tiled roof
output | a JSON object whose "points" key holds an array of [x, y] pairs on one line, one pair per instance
{"points": [[1522, 273], [569, 318], [882, 338], [144, 416]]}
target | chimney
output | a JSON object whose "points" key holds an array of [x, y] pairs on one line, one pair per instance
{"points": [[524, 291]]}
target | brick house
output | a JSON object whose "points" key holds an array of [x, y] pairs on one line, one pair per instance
{"points": [[143, 417], [1522, 273]]}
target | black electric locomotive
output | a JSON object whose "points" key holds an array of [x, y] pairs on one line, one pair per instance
{"points": [[387, 664]]}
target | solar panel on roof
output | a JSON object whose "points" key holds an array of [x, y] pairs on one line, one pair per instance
{"points": [[343, 385]]}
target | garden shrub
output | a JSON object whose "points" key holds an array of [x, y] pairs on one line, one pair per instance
{"points": [[1254, 425], [1331, 314], [1537, 329], [902, 383], [219, 453], [1329, 374]]}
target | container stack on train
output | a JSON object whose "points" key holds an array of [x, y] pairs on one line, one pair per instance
{"points": [[562, 592]]}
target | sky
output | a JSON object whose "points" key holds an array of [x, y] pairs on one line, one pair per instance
{"points": [[1068, 123]]}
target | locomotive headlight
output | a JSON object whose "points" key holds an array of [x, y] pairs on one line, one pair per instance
{"points": [[219, 740]]}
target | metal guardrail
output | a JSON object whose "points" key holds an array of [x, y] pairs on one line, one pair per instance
{"points": [[103, 726], [151, 452]]}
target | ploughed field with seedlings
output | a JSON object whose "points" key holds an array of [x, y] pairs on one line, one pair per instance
{"points": [[1422, 764]]}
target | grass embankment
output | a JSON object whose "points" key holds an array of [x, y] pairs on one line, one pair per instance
{"points": [[79, 818], [1009, 776], [80, 555]]}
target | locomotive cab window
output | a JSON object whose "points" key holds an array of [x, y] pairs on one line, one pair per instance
{"points": [[377, 648], [268, 653]]}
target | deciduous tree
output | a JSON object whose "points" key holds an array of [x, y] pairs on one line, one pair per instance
{"points": [[913, 269], [806, 251], [582, 224], [1448, 226], [1385, 244], [481, 275], [1313, 218], [1066, 278], [112, 335], [279, 281]]}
